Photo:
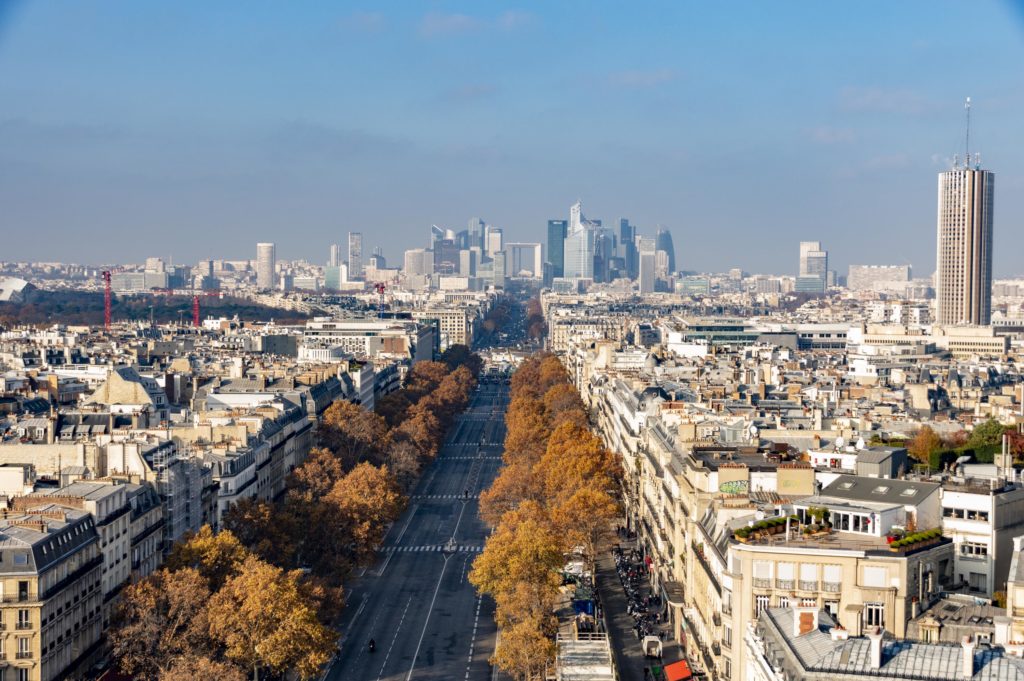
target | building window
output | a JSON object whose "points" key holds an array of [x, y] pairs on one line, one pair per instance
{"points": [[808, 602], [874, 615], [761, 603], [22, 591], [973, 549], [24, 621], [783, 602]]}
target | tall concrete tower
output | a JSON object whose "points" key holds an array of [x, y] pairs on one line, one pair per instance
{"points": [[355, 254], [266, 260], [963, 260]]}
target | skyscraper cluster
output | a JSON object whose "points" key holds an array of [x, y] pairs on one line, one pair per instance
{"points": [[582, 249]]}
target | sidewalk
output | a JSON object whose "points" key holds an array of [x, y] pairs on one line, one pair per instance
{"points": [[629, 658]]}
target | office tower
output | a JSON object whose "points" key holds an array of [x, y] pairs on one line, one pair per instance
{"points": [[377, 260], [499, 269], [467, 262], [664, 243], [647, 252], [892, 278], [476, 233], [355, 254], [335, 258], [557, 231], [495, 240], [446, 256], [963, 268], [418, 261], [813, 275], [627, 247], [266, 260], [579, 245], [155, 265]]}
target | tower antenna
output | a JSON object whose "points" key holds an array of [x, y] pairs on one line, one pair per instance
{"points": [[967, 137]]}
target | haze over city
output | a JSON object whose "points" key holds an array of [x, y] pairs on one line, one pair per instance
{"points": [[193, 131]]}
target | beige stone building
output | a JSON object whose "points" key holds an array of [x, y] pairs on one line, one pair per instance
{"points": [[51, 575]]}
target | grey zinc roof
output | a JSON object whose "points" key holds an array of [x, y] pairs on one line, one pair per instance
{"points": [[824, 658], [858, 488]]}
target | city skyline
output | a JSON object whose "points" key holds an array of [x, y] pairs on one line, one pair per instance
{"points": [[176, 159]]}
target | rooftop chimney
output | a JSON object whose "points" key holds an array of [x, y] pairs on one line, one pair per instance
{"points": [[875, 636], [968, 644], [804, 620], [837, 633]]}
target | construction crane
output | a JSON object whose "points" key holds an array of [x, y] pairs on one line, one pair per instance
{"points": [[195, 300], [106, 299], [380, 288]]}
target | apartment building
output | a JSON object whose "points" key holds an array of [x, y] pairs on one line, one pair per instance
{"points": [[51, 575]]}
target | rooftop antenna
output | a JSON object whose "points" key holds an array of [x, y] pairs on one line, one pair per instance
{"points": [[967, 136]]}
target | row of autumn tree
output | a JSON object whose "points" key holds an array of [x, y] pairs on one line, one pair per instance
{"points": [[261, 594], [555, 497]]}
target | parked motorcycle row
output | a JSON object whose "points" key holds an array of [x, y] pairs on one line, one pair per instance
{"points": [[632, 571]]}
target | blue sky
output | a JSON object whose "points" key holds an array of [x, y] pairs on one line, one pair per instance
{"points": [[196, 129]]}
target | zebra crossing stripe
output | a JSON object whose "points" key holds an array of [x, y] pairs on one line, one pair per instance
{"points": [[463, 548], [444, 496]]}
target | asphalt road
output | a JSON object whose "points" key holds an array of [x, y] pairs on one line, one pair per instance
{"points": [[417, 602]]}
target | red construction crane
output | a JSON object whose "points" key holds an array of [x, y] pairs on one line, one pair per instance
{"points": [[195, 305], [195, 300], [380, 288], [106, 299]]}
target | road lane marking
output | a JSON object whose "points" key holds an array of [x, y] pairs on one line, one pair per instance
{"points": [[426, 622], [393, 639]]}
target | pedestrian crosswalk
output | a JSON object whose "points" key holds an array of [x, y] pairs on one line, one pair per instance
{"points": [[459, 548], [469, 458], [445, 496]]}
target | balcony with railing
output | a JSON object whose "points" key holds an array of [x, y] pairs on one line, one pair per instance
{"points": [[808, 585], [785, 584], [762, 583], [23, 655], [831, 587]]}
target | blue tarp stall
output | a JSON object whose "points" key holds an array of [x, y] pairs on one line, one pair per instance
{"points": [[583, 601]]}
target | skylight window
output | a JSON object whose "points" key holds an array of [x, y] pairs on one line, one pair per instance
{"points": [[846, 485], [909, 492], [881, 489]]}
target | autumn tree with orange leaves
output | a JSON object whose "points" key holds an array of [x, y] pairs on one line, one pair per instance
{"points": [[554, 496]]}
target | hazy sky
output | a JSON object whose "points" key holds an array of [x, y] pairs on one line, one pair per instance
{"points": [[195, 129]]}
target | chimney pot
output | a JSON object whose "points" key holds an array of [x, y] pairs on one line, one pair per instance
{"points": [[875, 636], [968, 644]]}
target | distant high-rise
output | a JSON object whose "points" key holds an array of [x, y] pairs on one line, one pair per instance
{"points": [[648, 255], [266, 261], [964, 254], [664, 243], [579, 245], [355, 254], [335, 258], [813, 274], [476, 233], [495, 241], [557, 231], [627, 247]]}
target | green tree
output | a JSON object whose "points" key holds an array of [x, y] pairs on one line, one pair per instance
{"points": [[986, 434]]}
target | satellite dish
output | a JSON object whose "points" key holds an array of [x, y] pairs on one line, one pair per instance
{"points": [[752, 430], [860, 443], [840, 442]]}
